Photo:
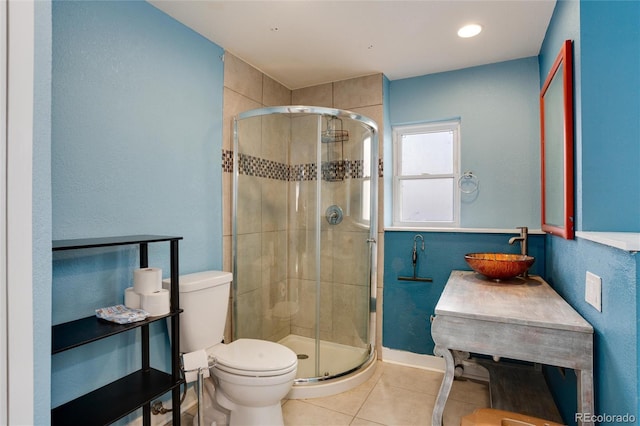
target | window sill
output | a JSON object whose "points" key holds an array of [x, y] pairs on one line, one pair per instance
{"points": [[463, 230]]}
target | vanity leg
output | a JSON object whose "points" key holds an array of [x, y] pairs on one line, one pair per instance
{"points": [[445, 387], [585, 394]]}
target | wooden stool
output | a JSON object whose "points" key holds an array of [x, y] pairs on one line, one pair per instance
{"points": [[491, 417]]}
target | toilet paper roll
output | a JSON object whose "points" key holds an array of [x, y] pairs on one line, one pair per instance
{"points": [[157, 303], [131, 298], [192, 361], [147, 280]]}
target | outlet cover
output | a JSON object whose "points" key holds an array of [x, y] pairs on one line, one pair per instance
{"points": [[593, 291]]}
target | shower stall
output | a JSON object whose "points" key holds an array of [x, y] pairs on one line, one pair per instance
{"points": [[304, 227]]}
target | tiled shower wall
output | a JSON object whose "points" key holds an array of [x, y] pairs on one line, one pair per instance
{"points": [[247, 88]]}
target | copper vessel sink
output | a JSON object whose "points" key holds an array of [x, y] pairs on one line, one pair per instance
{"points": [[499, 266]]}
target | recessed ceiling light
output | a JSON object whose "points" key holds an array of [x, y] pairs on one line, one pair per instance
{"points": [[470, 30]]}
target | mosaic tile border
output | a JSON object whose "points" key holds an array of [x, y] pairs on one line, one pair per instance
{"points": [[227, 161], [259, 167]]}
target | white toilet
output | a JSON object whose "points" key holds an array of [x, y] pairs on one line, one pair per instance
{"points": [[251, 376]]}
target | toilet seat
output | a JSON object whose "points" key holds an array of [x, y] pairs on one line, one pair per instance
{"points": [[252, 357]]}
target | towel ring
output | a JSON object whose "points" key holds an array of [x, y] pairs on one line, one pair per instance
{"points": [[468, 183]]}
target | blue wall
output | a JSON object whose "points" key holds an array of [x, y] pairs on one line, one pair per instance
{"points": [[41, 218], [136, 139], [615, 328], [608, 155], [136, 143], [606, 40], [500, 135], [407, 305], [607, 197], [610, 65]]}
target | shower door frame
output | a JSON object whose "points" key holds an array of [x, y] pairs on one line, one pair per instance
{"points": [[373, 217]]}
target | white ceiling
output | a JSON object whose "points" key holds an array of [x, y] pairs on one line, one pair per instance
{"points": [[307, 42]]}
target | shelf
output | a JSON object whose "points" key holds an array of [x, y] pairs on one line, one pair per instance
{"points": [[83, 243], [520, 388], [115, 400], [628, 241], [136, 390], [76, 333]]}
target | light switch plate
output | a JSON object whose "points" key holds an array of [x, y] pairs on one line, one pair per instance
{"points": [[593, 291]]}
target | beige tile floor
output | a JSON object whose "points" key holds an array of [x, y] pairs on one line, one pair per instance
{"points": [[395, 396]]}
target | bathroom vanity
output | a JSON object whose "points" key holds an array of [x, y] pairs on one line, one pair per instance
{"points": [[520, 318]]}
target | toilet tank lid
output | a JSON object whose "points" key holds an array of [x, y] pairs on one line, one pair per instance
{"points": [[201, 280]]}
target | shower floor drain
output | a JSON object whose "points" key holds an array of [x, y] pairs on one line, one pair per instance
{"points": [[303, 356]]}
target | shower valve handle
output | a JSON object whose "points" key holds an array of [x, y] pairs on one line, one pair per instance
{"points": [[334, 215]]}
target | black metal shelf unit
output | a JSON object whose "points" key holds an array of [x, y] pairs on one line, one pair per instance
{"points": [[123, 396]]}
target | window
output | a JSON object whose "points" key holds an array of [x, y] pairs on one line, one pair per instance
{"points": [[425, 175], [365, 207]]}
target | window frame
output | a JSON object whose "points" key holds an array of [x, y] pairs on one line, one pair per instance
{"points": [[365, 202], [432, 127]]}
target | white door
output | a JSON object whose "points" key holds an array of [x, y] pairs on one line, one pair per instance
{"points": [[16, 298]]}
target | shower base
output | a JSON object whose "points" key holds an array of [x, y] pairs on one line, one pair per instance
{"points": [[336, 358]]}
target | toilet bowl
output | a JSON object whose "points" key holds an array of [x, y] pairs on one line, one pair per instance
{"points": [[250, 376]]}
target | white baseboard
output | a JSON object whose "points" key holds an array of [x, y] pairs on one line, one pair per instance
{"points": [[426, 362]]}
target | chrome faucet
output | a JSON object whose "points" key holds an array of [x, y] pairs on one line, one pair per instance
{"points": [[524, 235]]}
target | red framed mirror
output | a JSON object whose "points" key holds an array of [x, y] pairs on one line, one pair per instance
{"points": [[556, 131]]}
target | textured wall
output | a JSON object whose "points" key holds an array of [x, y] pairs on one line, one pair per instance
{"points": [[42, 214], [498, 109], [606, 164], [615, 328], [136, 140], [610, 144], [407, 304]]}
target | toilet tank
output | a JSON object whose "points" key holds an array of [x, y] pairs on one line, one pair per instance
{"points": [[204, 299]]}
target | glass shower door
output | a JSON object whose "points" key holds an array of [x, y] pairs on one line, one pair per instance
{"points": [[302, 236], [345, 230]]}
